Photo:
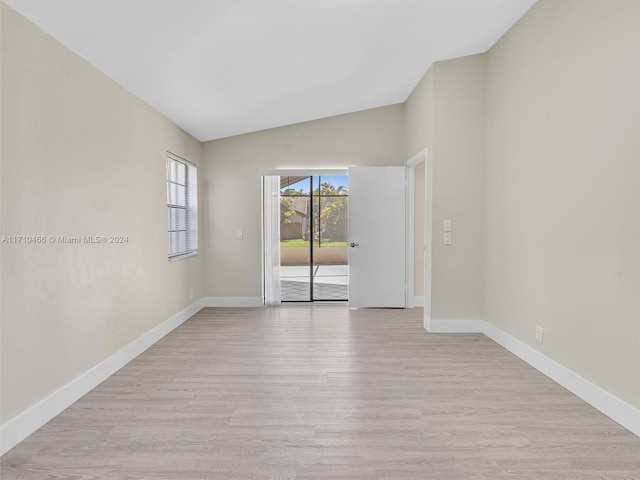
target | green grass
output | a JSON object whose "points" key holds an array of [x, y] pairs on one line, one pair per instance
{"points": [[299, 242]]}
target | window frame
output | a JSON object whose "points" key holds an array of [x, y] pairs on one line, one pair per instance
{"points": [[190, 207]]}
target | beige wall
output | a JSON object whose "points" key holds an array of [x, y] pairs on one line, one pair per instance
{"points": [[418, 135], [557, 216], [80, 156], [458, 165], [562, 203], [418, 116], [232, 171], [445, 114]]}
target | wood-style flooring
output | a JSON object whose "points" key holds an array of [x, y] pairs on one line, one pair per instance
{"points": [[325, 392]]}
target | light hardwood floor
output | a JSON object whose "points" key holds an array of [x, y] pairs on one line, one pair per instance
{"points": [[324, 392]]}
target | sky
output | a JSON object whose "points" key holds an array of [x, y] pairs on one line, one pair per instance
{"points": [[336, 180]]}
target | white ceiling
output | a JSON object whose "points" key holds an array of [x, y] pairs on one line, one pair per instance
{"points": [[224, 67]]}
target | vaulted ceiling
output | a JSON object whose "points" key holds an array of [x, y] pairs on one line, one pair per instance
{"points": [[219, 68]]}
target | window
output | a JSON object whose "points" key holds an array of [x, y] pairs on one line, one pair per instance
{"points": [[182, 207]]}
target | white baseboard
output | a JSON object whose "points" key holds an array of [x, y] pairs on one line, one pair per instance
{"points": [[613, 407], [607, 403], [27, 422], [23, 425], [232, 302], [454, 326], [418, 301]]}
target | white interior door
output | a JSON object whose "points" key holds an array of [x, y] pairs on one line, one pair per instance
{"points": [[377, 237]]}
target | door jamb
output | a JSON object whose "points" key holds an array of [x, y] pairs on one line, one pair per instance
{"points": [[410, 165]]}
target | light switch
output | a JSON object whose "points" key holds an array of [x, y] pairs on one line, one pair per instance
{"points": [[447, 239], [447, 225], [239, 235]]}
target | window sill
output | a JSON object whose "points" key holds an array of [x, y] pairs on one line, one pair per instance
{"points": [[185, 255]]}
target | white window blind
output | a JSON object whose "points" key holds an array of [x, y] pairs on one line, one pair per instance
{"points": [[182, 206]]}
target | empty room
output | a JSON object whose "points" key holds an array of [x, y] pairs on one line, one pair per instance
{"points": [[323, 239]]}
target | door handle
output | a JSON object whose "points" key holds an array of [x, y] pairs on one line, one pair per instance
{"points": [[354, 244]]}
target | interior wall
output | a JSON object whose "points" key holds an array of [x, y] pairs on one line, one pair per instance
{"points": [[562, 203], [233, 175], [80, 156], [418, 116], [418, 136], [445, 114], [458, 166]]}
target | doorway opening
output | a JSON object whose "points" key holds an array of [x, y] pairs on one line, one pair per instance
{"points": [[314, 233]]}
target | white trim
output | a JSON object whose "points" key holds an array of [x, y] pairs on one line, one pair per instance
{"points": [[410, 165], [427, 247], [180, 159], [30, 420], [454, 326], [603, 401], [607, 403], [417, 159], [183, 255], [263, 257], [284, 172], [409, 235], [232, 302], [418, 301]]}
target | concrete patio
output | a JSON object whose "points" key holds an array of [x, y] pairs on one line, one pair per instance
{"points": [[330, 282]]}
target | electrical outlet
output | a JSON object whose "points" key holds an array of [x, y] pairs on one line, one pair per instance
{"points": [[191, 294], [539, 333]]}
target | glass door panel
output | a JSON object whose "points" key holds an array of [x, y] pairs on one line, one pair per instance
{"points": [[314, 257], [331, 233], [295, 251]]}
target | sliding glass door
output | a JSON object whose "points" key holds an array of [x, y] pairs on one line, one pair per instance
{"points": [[314, 218]]}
